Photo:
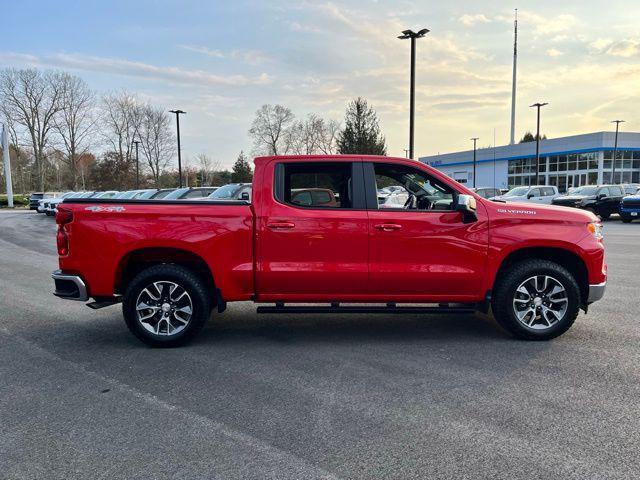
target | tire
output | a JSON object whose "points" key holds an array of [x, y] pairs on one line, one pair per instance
{"points": [[548, 316], [605, 216], [625, 219], [177, 305]]}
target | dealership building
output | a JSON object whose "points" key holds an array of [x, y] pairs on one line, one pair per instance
{"points": [[565, 162]]}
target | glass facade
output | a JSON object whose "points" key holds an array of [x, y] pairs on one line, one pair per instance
{"points": [[576, 169]]}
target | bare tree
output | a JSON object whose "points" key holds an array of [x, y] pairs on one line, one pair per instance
{"points": [[269, 130], [313, 135], [121, 118], [208, 167], [328, 144], [156, 139], [75, 121], [31, 98]]}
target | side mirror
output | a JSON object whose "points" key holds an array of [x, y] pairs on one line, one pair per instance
{"points": [[244, 196], [601, 196], [467, 205], [531, 195]]}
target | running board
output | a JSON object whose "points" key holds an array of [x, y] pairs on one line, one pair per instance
{"points": [[389, 308], [104, 303]]}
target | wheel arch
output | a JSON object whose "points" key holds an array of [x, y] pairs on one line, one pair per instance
{"points": [[137, 260], [562, 256]]}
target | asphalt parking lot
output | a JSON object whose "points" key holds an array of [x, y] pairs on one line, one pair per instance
{"points": [[306, 397]]}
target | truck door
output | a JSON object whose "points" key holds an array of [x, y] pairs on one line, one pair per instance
{"points": [[313, 232], [424, 251]]}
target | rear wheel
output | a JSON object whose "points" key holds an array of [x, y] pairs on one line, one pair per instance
{"points": [[166, 305], [625, 219], [536, 300]]}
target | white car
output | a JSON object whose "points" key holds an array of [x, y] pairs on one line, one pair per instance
{"points": [[534, 193]]}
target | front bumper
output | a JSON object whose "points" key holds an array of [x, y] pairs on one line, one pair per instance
{"points": [[69, 287], [596, 292]]}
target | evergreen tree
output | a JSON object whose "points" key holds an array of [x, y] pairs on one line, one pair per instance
{"points": [[361, 134], [530, 137], [242, 172]]}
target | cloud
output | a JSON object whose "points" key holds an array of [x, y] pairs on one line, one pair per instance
{"points": [[554, 52], [623, 48], [470, 20], [543, 25], [203, 50], [301, 27], [251, 57], [130, 68]]}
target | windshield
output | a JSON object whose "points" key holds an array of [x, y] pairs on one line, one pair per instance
{"points": [[225, 192], [585, 191], [142, 194], [160, 194], [176, 194], [517, 192]]}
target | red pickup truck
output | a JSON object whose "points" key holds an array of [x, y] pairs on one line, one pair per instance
{"points": [[171, 263]]}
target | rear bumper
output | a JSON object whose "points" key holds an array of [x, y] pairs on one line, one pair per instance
{"points": [[69, 287], [596, 292]]}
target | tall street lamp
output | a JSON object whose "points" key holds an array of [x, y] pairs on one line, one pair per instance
{"points": [[410, 34], [137, 142], [178, 113], [475, 139], [615, 150], [538, 105]]}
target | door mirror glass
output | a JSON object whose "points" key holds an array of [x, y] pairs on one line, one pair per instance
{"points": [[244, 196], [467, 205]]}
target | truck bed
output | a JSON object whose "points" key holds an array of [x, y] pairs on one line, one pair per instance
{"points": [[107, 234]]}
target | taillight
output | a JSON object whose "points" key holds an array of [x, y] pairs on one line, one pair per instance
{"points": [[63, 217], [62, 241]]}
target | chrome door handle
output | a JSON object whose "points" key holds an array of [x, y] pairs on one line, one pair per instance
{"points": [[281, 225], [387, 227]]}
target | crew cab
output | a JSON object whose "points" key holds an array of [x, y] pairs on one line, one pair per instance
{"points": [[446, 249]]}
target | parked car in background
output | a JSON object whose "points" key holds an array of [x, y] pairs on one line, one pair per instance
{"points": [[35, 197], [144, 194], [48, 204], [161, 193], [603, 200], [314, 197], [533, 193], [107, 194], [630, 188], [487, 192], [232, 191], [630, 207], [190, 193], [40, 208]]}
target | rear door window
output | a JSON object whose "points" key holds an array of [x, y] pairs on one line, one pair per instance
{"points": [[315, 184]]}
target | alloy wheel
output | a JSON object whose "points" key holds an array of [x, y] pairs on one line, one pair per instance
{"points": [[540, 302], [164, 308]]}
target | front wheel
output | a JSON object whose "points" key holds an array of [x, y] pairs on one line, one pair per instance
{"points": [[166, 305], [625, 219], [536, 300]]}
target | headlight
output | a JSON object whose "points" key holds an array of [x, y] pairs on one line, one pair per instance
{"points": [[596, 229]]}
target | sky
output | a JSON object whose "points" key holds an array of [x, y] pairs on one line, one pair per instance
{"points": [[221, 60]]}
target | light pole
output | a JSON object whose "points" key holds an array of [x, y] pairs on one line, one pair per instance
{"points": [[410, 34], [178, 113], [537, 105], [475, 139], [615, 151], [137, 142]]}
